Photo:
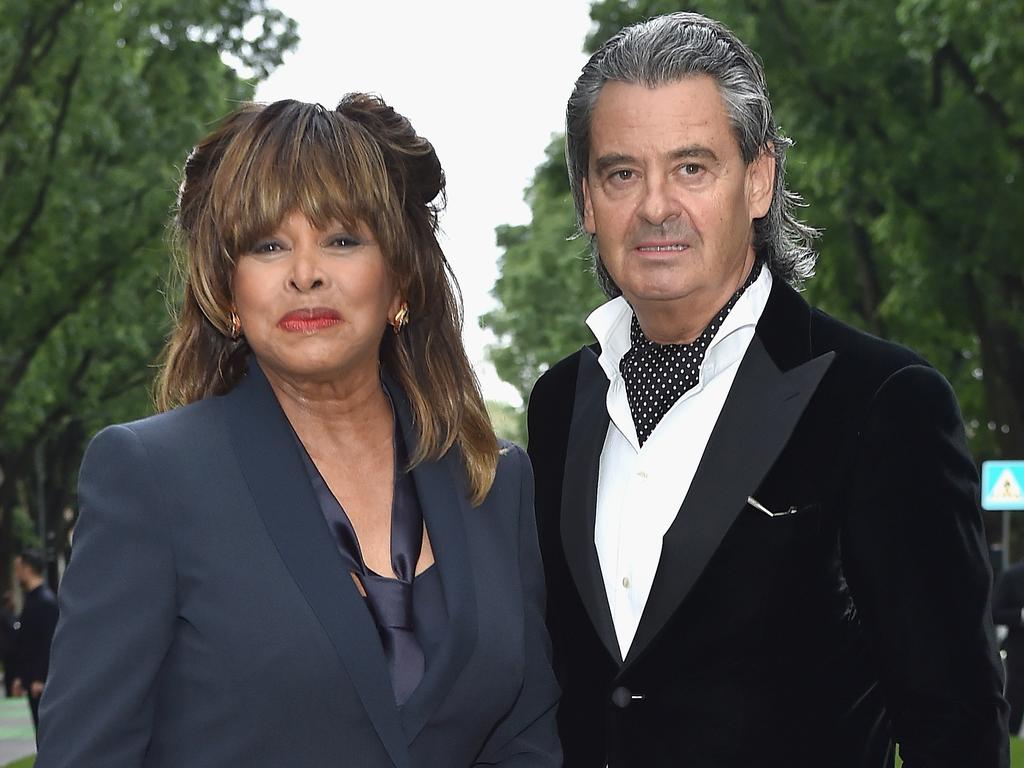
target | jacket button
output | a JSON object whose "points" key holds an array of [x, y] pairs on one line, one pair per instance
{"points": [[622, 697]]}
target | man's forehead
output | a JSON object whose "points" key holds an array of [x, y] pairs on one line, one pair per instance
{"points": [[683, 113]]}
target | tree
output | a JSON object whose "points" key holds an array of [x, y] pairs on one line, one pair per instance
{"points": [[545, 286], [909, 126], [99, 105]]}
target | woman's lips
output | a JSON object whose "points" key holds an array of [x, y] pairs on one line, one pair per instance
{"points": [[309, 320]]}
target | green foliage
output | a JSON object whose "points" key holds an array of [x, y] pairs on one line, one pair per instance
{"points": [[509, 422], [546, 285], [909, 126], [99, 106]]}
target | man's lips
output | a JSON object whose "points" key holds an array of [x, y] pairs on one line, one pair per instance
{"points": [[309, 320], [661, 247]]}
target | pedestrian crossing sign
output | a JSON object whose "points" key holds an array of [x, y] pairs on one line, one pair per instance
{"points": [[1002, 485]]}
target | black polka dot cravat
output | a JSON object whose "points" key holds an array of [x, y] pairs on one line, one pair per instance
{"points": [[656, 375]]}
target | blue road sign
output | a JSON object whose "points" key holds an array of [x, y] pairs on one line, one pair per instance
{"points": [[1002, 485]]}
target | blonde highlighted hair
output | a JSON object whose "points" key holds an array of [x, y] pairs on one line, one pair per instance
{"points": [[361, 162]]}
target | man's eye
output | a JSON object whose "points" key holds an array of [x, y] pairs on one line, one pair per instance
{"points": [[692, 169], [622, 175]]}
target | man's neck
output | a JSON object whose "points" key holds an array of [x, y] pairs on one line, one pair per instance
{"points": [[682, 320]]}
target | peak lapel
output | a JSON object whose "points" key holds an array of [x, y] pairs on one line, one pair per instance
{"points": [[270, 462], [579, 495], [756, 421], [441, 490]]}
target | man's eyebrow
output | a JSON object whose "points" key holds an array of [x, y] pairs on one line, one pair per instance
{"points": [[604, 162], [695, 150]]}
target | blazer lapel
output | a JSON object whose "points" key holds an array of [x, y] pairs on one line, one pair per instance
{"points": [[755, 424], [579, 495], [271, 464], [442, 495]]}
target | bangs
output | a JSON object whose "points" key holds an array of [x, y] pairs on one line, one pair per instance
{"points": [[296, 157]]}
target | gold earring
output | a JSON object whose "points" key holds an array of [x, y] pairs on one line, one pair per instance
{"points": [[236, 326], [401, 318]]}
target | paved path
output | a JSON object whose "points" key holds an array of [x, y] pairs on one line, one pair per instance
{"points": [[17, 738]]}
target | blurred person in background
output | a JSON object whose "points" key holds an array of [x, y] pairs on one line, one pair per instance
{"points": [[33, 630], [1008, 610]]}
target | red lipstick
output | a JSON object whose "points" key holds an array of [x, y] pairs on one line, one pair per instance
{"points": [[309, 320]]}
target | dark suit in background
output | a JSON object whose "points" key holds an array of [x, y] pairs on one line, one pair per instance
{"points": [[208, 618], [1008, 610], [34, 634]]}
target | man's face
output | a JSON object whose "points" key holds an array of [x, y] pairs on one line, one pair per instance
{"points": [[669, 197]]}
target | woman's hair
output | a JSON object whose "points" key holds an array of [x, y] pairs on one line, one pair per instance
{"points": [[361, 162]]}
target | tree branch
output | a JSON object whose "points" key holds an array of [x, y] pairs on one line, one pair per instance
{"points": [[40, 200], [950, 56], [27, 61]]}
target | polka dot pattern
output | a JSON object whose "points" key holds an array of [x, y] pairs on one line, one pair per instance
{"points": [[657, 375]]}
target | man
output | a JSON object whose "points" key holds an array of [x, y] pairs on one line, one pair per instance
{"points": [[759, 525], [35, 628], [1008, 610]]}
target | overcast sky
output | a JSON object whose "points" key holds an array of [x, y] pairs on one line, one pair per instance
{"points": [[485, 82]]}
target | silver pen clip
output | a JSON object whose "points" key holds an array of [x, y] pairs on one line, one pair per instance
{"points": [[762, 508]]}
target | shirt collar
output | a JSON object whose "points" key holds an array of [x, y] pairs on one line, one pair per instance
{"points": [[610, 324]]}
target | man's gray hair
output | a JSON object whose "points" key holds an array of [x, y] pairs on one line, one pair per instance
{"points": [[667, 49]]}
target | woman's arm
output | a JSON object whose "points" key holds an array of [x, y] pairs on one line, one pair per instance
{"points": [[527, 736], [117, 612]]}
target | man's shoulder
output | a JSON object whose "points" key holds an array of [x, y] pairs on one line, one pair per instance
{"points": [[559, 381], [858, 352]]}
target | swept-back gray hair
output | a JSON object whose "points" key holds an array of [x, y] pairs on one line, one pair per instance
{"points": [[667, 49]]}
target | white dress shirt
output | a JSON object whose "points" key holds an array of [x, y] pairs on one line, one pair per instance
{"points": [[640, 489]]}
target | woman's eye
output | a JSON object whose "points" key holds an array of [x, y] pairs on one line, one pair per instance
{"points": [[343, 241], [266, 246]]}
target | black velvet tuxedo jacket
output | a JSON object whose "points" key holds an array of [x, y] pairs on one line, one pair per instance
{"points": [[808, 639], [208, 618]]}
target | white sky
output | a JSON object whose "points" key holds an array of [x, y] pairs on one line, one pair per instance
{"points": [[485, 82]]}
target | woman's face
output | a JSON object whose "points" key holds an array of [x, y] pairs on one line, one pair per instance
{"points": [[314, 303]]}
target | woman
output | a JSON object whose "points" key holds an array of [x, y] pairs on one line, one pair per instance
{"points": [[259, 577]]}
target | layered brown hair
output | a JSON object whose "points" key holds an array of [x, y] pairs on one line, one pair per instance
{"points": [[361, 162]]}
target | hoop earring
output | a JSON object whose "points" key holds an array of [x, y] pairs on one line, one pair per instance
{"points": [[401, 318], [236, 326]]}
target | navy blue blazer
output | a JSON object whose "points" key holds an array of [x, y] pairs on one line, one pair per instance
{"points": [[207, 618]]}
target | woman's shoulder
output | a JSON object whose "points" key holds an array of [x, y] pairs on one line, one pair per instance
{"points": [[513, 472], [195, 424]]}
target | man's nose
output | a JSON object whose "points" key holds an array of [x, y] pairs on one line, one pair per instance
{"points": [[658, 204]]}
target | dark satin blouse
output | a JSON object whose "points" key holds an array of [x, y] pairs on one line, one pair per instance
{"points": [[409, 611]]}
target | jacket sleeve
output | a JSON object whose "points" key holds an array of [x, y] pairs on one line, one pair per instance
{"points": [[527, 736], [117, 613], [915, 558]]}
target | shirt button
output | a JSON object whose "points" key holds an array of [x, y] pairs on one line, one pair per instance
{"points": [[625, 582]]}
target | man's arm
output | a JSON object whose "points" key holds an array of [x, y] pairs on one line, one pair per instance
{"points": [[915, 557]]}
